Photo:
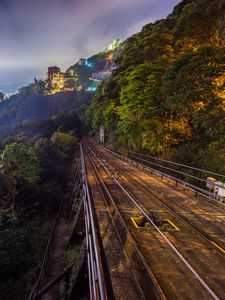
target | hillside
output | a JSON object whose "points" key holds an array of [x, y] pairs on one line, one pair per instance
{"points": [[24, 109], [36, 101], [167, 95], [165, 98], [94, 64]]}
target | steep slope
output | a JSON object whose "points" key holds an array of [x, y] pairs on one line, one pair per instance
{"points": [[94, 64], [167, 96], [24, 109]]}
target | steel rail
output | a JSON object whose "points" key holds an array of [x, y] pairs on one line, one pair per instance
{"points": [[182, 258], [97, 284], [204, 236], [187, 185], [182, 165], [158, 291], [168, 161], [167, 168]]}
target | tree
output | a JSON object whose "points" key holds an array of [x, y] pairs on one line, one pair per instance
{"points": [[138, 98], [194, 89], [39, 87], [64, 142], [71, 83], [18, 165]]}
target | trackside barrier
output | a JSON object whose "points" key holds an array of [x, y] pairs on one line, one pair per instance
{"points": [[161, 171], [97, 285]]}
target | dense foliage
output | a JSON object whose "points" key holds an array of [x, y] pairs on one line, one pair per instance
{"points": [[33, 174], [167, 95], [22, 109], [167, 98], [38, 135]]}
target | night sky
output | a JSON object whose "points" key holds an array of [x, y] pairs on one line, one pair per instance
{"points": [[35, 34]]}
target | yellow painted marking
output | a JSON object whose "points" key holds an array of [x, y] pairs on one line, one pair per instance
{"points": [[221, 249], [172, 224], [133, 219], [136, 219]]}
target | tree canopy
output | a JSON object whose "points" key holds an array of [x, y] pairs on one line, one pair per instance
{"points": [[18, 164], [167, 94]]}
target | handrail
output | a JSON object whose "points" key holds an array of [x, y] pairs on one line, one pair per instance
{"points": [[167, 168], [179, 164], [54, 281], [207, 193], [97, 286], [136, 154]]}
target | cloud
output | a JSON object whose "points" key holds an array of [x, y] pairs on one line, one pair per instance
{"points": [[37, 34], [138, 26]]}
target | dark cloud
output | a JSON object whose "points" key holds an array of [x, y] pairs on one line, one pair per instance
{"points": [[36, 34]]}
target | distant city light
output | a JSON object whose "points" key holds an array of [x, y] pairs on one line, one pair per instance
{"points": [[92, 87], [115, 44], [88, 64], [110, 57]]}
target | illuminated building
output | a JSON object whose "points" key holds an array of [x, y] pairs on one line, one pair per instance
{"points": [[60, 81], [52, 72], [109, 67], [56, 79], [92, 87], [85, 62]]}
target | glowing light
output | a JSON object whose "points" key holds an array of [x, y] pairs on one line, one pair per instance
{"points": [[92, 87], [88, 64], [110, 57], [115, 44]]}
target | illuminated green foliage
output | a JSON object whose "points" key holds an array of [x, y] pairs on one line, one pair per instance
{"points": [[167, 95], [18, 164]]}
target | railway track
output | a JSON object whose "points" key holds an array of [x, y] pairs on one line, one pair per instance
{"points": [[160, 196], [115, 184], [146, 285], [180, 185], [180, 209]]}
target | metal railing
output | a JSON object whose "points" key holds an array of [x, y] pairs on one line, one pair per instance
{"points": [[97, 286], [191, 177], [178, 168]]}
